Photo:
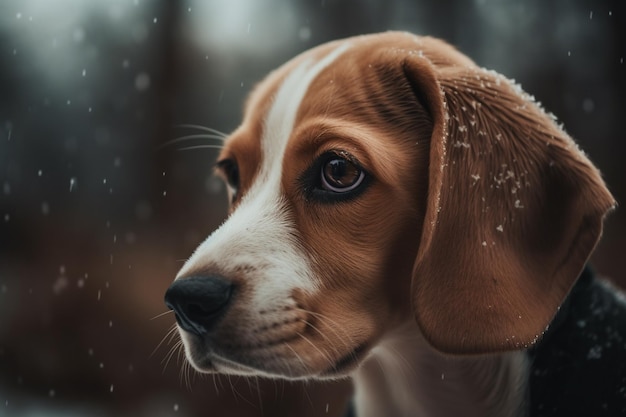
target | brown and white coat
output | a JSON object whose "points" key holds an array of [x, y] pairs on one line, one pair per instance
{"points": [[458, 219]]}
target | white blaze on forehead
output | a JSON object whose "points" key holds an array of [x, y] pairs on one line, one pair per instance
{"points": [[282, 115], [260, 233]]}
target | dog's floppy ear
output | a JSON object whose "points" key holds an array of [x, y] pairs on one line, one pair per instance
{"points": [[514, 210]]}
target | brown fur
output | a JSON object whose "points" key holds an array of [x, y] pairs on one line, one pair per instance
{"points": [[479, 216]]}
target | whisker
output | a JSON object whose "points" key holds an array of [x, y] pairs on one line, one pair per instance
{"points": [[324, 336], [217, 391], [186, 370], [190, 148], [304, 365], [334, 327], [169, 333], [306, 393], [324, 355], [181, 371], [188, 138], [258, 390], [162, 314], [237, 394], [249, 382], [204, 128], [171, 353]]}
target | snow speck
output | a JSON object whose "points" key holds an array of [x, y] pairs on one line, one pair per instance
{"points": [[39, 173], [484, 243], [569, 53], [327, 408], [590, 14], [213, 185], [610, 13], [304, 33], [475, 177], [595, 352], [61, 282], [80, 283], [78, 35], [18, 15], [518, 204], [176, 405], [164, 193], [99, 294], [125, 63], [189, 9], [117, 162], [68, 102], [45, 208], [155, 20], [443, 376], [111, 389], [52, 393], [72, 184], [7, 217], [130, 238], [500, 228], [84, 73], [6, 188], [4, 289], [142, 81], [588, 105]]}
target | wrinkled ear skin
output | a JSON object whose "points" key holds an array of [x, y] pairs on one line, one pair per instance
{"points": [[514, 210]]}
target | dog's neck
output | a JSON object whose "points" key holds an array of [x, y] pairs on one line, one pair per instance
{"points": [[404, 376]]}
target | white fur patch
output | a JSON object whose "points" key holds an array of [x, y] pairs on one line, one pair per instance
{"points": [[260, 232]]}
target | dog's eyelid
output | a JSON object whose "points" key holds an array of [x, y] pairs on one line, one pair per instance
{"points": [[223, 163], [227, 166], [228, 169], [341, 154]]}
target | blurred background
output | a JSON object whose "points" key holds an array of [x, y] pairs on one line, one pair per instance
{"points": [[95, 218]]}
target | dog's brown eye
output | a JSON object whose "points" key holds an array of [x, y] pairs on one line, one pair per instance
{"points": [[334, 177], [340, 175], [230, 169]]}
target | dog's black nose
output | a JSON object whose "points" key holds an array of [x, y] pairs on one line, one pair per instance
{"points": [[198, 302]]}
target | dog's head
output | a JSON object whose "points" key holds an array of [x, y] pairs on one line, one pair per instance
{"points": [[377, 179]]}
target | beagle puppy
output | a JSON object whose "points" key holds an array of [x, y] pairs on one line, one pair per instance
{"points": [[408, 219]]}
